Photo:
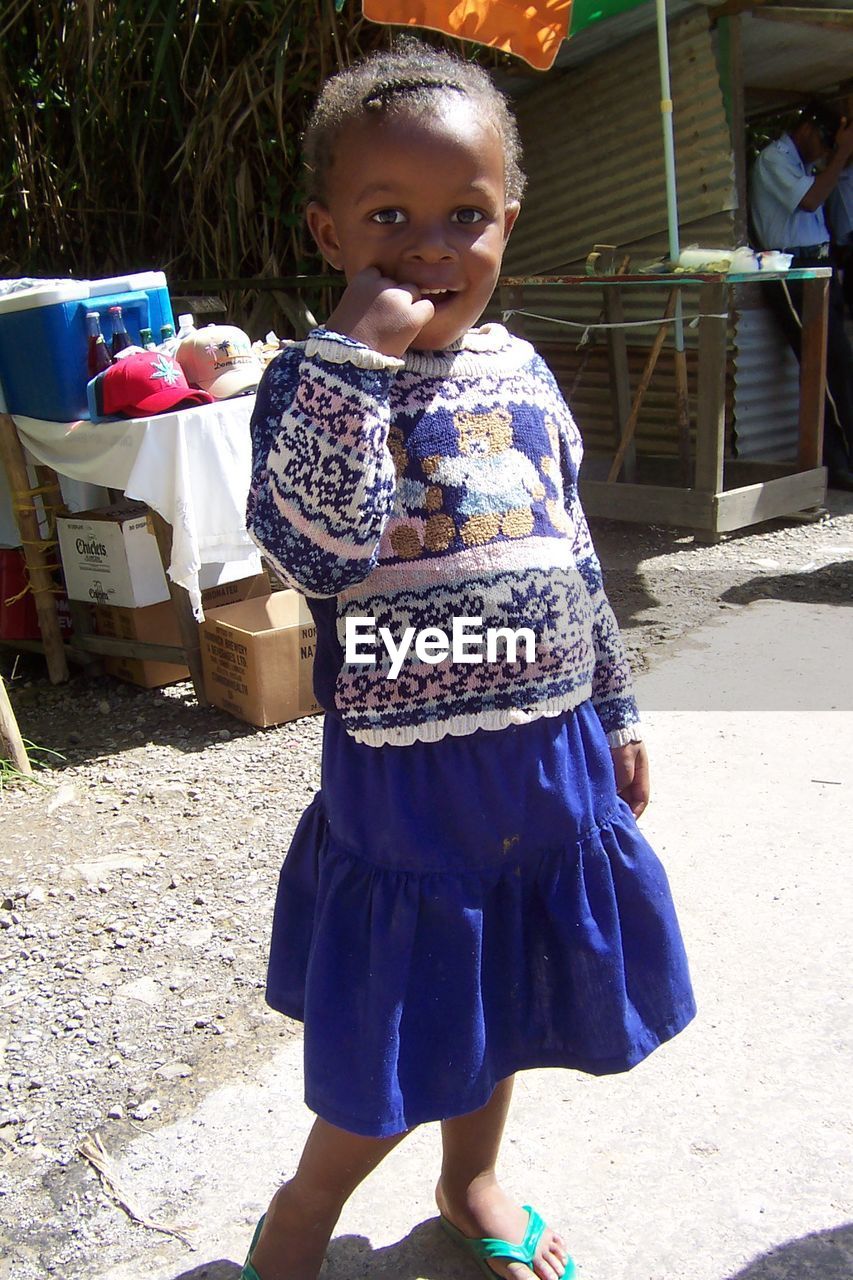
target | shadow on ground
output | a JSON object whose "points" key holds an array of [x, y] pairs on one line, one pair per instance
{"points": [[424, 1254], [824, 1255], [830, 584]]}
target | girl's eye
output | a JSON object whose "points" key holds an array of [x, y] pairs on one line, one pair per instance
{"points": [[387, 217], [468, 216]]}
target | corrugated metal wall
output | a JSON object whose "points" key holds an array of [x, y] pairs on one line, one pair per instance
{"points": [[594, 156], [766, 375]]}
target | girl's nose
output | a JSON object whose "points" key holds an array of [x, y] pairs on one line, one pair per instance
{"points": [[429, 243]]}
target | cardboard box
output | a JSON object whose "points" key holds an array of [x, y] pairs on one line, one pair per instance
{"points": [[258, 659], [155, 624], [146, 674], [158, 624], [110, 556], [256, 587]]}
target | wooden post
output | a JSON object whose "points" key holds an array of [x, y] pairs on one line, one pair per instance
{"points": [[35, 553], [730, 62], [812, 373], [682, 417], [631, 423], [11, 744], [187, 624], [617, 358], [711, 390]]}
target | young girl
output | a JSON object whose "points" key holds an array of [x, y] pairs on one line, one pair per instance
{"points": [[468, 895]]}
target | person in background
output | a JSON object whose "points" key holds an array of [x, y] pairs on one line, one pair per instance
{"points": [[787, 199], [839, 209]]}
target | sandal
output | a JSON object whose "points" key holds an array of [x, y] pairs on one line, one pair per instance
{"points": [[487, 1247], [249, 1272]]}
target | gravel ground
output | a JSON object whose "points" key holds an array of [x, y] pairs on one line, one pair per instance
{"points": [[136, 883]]}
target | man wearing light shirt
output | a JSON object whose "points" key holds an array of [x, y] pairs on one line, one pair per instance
{"points": [[839, 208], [786, 208]]}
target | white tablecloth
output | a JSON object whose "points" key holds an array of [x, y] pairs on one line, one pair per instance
{"points": [[193, 467]]}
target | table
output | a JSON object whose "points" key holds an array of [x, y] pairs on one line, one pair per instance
{"points": [[719, 494], [192, 468]]}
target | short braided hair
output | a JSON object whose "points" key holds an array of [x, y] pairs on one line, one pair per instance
{"points": [[409, 76]]}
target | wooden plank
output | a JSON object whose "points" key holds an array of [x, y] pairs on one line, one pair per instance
{"points": [[187, 624], [648, 503], [119, 647], [631, 423], [620, 389], [813, 372], [711, 388], [825, 19], [35, 552], [738, 508]]}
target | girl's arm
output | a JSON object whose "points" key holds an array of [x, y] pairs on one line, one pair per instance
{"points": [[612, 690], [323, 480]]}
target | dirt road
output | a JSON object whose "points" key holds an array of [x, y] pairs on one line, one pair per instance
{"points": [[136, 887]]}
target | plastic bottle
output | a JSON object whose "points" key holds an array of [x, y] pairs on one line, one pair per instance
{"points": [[98, 355], [186, 326], [121, 338]]}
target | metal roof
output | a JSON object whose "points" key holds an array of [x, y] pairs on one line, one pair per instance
{"points": [[784, 59]]}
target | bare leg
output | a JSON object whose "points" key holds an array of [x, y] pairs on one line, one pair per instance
{"points": [[469, 1195], [303, 1212]]}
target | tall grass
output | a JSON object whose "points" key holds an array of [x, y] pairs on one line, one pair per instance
{"points": [[162, 133]]}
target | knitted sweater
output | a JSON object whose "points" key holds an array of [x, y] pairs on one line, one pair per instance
{"points": [[415, 491]]}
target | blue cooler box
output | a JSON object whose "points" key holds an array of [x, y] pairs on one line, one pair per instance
{"points": [[43, 339]]}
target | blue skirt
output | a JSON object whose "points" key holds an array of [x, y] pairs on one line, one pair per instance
{"points": [[450, 913]]}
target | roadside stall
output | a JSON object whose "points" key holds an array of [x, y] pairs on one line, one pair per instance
{"points": [[597, 184], [162, 436]]}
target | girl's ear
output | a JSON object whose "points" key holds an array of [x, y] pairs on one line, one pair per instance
{"points": [[511, 212], [322, 228]]}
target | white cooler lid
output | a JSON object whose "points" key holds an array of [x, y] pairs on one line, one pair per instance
{"points": [[45, 294], [127, 284]]}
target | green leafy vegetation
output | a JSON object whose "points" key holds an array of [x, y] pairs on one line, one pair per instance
{"points": [[39, 757]]}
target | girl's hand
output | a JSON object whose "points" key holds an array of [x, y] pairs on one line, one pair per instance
{"points": [[381, 313], [631, 767]]}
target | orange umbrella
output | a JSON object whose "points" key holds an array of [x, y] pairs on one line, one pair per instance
{"points": [[530, 29]]}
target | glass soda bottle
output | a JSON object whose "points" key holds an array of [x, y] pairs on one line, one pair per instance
{"points": [[98, 356], [168, 341], [146, 340], [121, 338]]}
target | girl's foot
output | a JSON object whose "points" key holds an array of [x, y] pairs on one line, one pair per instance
{"points": [[484, 1209], [295, 1236]]}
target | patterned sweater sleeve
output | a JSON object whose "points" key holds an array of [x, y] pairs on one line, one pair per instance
{"points": [[323, 480], [612, 690]]}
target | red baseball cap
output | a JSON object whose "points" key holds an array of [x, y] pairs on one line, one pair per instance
{"points": [[141, 385]]}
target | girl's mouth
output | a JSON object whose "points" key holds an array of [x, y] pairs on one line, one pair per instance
{"points": [[438, 297]]}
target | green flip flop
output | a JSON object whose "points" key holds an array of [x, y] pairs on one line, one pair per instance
{"points": [[249, 1272], [487, 1247]]}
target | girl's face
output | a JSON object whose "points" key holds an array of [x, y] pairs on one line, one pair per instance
{"points": [[422, 199]]}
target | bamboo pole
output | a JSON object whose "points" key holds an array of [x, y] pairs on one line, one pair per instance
{"points": [[11, 743], [35, 553]]}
